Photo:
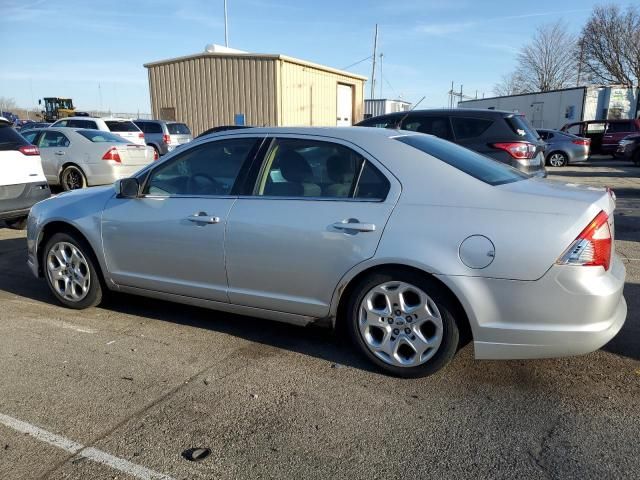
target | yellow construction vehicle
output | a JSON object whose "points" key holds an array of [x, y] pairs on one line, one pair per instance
{"points": [[56, 108]]}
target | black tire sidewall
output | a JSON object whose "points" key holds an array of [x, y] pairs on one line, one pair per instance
{"points": [[450, 337], [94, 296], [64, 172]]}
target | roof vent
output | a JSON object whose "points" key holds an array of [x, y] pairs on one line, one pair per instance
{"points": [[214, 48]]}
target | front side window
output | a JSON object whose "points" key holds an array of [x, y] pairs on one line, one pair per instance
{"points": [[209, 169], [318, 169], [380, 122], [53, 139], [61, 123], [121, 126], [82, 124], [620, 127], [438, 126], [30, 136]]}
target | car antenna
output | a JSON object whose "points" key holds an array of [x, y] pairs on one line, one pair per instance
{"points": [[404, 117]]}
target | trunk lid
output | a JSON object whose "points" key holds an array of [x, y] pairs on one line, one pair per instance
{"points": [[135, 154]]}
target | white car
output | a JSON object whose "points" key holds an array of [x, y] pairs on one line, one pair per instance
{"points": [[22, 182], [120, 126]]}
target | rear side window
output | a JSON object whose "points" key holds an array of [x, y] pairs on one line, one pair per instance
{"points": [[521, 127], [53, 139], [98, 136], [595, 127], [469, 127], [81, 124], [121, 126], [178, 129], [574, 129], [149, 127], [478, 166], [30, 136], [620, 127], [10, 139], [438, 126]]}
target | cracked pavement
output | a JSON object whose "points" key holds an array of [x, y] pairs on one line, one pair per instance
{"points": [[144, 380]]}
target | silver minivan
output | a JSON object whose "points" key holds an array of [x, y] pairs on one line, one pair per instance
{"points": [[164, 136]]}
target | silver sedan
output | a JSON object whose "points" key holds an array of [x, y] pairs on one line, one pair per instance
{"points": [[564, 148], [410, 244], [76, 158]]}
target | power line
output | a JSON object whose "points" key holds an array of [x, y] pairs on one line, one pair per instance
{"points": [[357, 63]]}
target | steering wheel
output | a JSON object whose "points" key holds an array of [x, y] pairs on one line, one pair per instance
{"points": [[194, 187]]}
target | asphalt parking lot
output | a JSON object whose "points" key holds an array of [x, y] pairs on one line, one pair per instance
{"points": [[121, 391]]}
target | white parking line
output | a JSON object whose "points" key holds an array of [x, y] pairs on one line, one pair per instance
{"points": [[89, 453]]}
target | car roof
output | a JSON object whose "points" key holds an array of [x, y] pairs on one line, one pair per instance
{"points": [[353, 134], [454, 112]]}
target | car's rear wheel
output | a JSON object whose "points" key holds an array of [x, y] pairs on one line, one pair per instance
{"points": [[72, 271], [403, 323], [72, 178], [17, 223], [558, 159]]}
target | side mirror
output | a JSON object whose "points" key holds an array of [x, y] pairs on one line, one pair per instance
{"points": [[127, 187]]}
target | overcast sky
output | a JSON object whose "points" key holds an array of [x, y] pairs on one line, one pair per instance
{"points": [[93, 51]]}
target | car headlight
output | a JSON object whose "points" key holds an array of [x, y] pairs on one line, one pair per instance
{"points": [[624, 143]]}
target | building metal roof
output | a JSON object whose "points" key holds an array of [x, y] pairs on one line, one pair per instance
{"points": [[260, 56]]}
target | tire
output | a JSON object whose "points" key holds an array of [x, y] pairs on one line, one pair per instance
{"points": [[557, 159], [61, 254], [72, 178], [17, 223], [426, 314], [156, 149]]}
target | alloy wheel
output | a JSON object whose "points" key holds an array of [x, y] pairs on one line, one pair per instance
{"points": [[68, 271], [400, 324], [73, 179], [557, 160]]}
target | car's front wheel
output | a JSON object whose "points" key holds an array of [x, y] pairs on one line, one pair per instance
{"points": [[72, 271], [403, 322]]}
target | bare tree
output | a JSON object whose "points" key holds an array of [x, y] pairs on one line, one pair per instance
{"points": [[549, 62], [610, 43], [510, 84], [7, 104]]}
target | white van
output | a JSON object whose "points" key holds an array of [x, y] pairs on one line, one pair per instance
{"points": [[22, 181]]}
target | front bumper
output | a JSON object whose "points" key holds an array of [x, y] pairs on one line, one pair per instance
{"points": [[16, 200], [571, 310]]}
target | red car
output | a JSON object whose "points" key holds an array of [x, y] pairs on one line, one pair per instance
{"points": [[604, 134]]}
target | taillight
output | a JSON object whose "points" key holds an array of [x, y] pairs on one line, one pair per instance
{"points": [[582, 141], [166, 139], [592, 247], [141, 135], [155, 155], [518, 150], [29, 150], [112, 154]]}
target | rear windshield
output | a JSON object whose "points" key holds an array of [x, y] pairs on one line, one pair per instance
{"points": [[98, 136], [521, 127], [10, 139], [178, 129], [478, 166], [121, 126]]}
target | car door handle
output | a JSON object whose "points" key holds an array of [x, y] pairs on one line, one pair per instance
{"points": [[59, 153], [203, 217], [354, 226]]}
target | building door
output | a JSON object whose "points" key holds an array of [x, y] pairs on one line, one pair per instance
{"points": [[344, 117], [536, 115]]}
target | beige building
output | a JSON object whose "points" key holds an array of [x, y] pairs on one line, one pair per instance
{"points": [[212, 89]]}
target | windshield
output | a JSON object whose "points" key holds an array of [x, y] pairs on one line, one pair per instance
{"points": [[178, 129], [478, 166], [98, 136]]}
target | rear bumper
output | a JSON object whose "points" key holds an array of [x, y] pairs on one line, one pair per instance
{"points": [[17, 200], [571, 310], [105, 173]]}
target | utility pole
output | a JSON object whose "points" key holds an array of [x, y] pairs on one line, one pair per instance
{"points": [[381, 56], [226, 31], [580, 63], [373, 69]]}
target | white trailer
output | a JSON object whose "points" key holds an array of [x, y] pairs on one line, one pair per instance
{"points": [[558, 107], [381, 106]]}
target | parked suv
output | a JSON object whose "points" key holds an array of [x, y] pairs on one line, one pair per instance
{"points": [[164, 136], [22, 182], [120, 126], [504, 136], [604, 134]]}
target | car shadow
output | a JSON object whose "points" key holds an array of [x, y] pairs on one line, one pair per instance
{"points": [[627, 341]]}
